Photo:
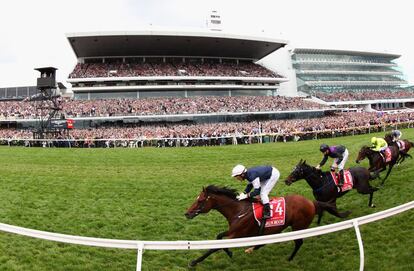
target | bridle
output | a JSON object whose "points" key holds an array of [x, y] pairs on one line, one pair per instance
{"points": [[203, 203], [316, 190]]}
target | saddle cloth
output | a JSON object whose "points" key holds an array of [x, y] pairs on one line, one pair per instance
{"points": [[277, 211], [388, 155], [348, 182], [401, 145]]}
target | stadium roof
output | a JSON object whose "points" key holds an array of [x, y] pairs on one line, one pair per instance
{"points": [[171, 43], [343, 52]]}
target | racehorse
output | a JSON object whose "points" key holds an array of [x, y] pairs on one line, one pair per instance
{"points": [[376, 161], [403, 151], [324, 188], [299, 214]]}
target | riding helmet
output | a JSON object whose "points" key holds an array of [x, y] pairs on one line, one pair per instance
{"points": [[323, 147]]}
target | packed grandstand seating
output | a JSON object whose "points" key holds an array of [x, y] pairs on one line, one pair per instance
{"points": [[159, 106], [362, 95], [177, 68], [241, 132]]}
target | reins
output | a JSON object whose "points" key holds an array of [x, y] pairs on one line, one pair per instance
{"points": [[217, 206]]}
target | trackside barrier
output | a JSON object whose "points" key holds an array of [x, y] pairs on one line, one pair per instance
{"points": [[228, 243]]}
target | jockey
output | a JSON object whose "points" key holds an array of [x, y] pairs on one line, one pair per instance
{"points": [[378, 144], [340, 153], [262, 179], [396, 135]]}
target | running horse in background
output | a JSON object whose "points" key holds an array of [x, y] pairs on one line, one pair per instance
{"points": [[403, 145], [298, 213], [377, 162], [324, 188]]}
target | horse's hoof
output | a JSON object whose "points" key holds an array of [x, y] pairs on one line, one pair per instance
{"points": [[192, 264], [249, 250], [372, 206]]}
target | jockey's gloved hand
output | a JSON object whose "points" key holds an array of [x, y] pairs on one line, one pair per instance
{"points": [[318, 167], [333, 168], [242, 196]]}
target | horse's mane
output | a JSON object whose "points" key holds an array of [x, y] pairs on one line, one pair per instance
{"points": [[229, 192], [307, 165]]}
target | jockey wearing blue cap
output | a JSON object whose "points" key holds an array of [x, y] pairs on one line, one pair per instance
{"points": [[262, 179]]}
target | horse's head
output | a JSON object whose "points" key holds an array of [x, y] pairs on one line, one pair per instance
{"points": [[210, 198], [202, 204], [300, 171], [363, 153], [388, 138]]}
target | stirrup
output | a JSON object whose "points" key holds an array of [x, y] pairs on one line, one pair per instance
{"points": [[266, 216]]}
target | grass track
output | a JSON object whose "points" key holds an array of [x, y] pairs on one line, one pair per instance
{"points": [[142, 194]]}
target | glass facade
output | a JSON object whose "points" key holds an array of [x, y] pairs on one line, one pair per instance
{"points": [[17, 92], [172, 93], [329, 72]]}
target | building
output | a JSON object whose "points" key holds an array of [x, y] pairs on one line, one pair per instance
{"points": [[330, 73], [171, 64]]}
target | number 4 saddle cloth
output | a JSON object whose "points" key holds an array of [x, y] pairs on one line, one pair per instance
{"points": [[277, 211]]}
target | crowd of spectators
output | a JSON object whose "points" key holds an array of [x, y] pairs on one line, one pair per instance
{"points": [[205, 68], [158, 106], [294, 128], [363, 95]]}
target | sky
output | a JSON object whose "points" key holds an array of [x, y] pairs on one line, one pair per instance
{"points": [[33, 32]]}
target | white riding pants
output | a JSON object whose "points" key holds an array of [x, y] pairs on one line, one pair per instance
{"points": [[342, 164], [268, 185]]}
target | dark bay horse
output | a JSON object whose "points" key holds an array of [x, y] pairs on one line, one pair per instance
{"points": [[239, 214], [324, 188], [403, 152], [376, 161]]}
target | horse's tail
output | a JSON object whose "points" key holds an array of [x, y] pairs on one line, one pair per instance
{"points": [[330, 207]]}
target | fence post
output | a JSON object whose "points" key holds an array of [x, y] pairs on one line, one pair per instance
{"points": [[140, 246], [360, 244]]}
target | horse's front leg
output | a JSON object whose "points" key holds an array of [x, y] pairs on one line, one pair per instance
{"points": [[203, 257], [388, 173], [211, 251], [220, 236]]}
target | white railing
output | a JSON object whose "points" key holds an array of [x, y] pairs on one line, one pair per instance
{"points": [[228, 243]]}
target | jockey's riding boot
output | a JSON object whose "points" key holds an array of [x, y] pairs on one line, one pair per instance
{"points": [[266, 211], [341, 178]]}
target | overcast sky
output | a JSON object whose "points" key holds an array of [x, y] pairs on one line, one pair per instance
{"points": [[33, 32]]}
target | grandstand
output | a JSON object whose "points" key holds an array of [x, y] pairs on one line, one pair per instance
{"points": [[343, 78], [159, 88], [17, 93], [152, 64]]}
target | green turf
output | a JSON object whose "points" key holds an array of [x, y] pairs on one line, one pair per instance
{"points": [[142, 194]]}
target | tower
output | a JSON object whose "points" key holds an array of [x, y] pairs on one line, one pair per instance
{"points": [[214, 21]]}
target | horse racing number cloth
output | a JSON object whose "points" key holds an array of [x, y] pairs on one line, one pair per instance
{"points": [[277, 212], [388, 155], [348, 182], [401, 145]]}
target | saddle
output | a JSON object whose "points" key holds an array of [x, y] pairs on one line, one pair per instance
{"points": [[277, 211], [401, 145], [387, 156], [348, 181]]}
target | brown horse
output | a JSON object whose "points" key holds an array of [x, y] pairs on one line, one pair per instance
{"points": [[403, 151], [376, 161], [239, 214]]}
